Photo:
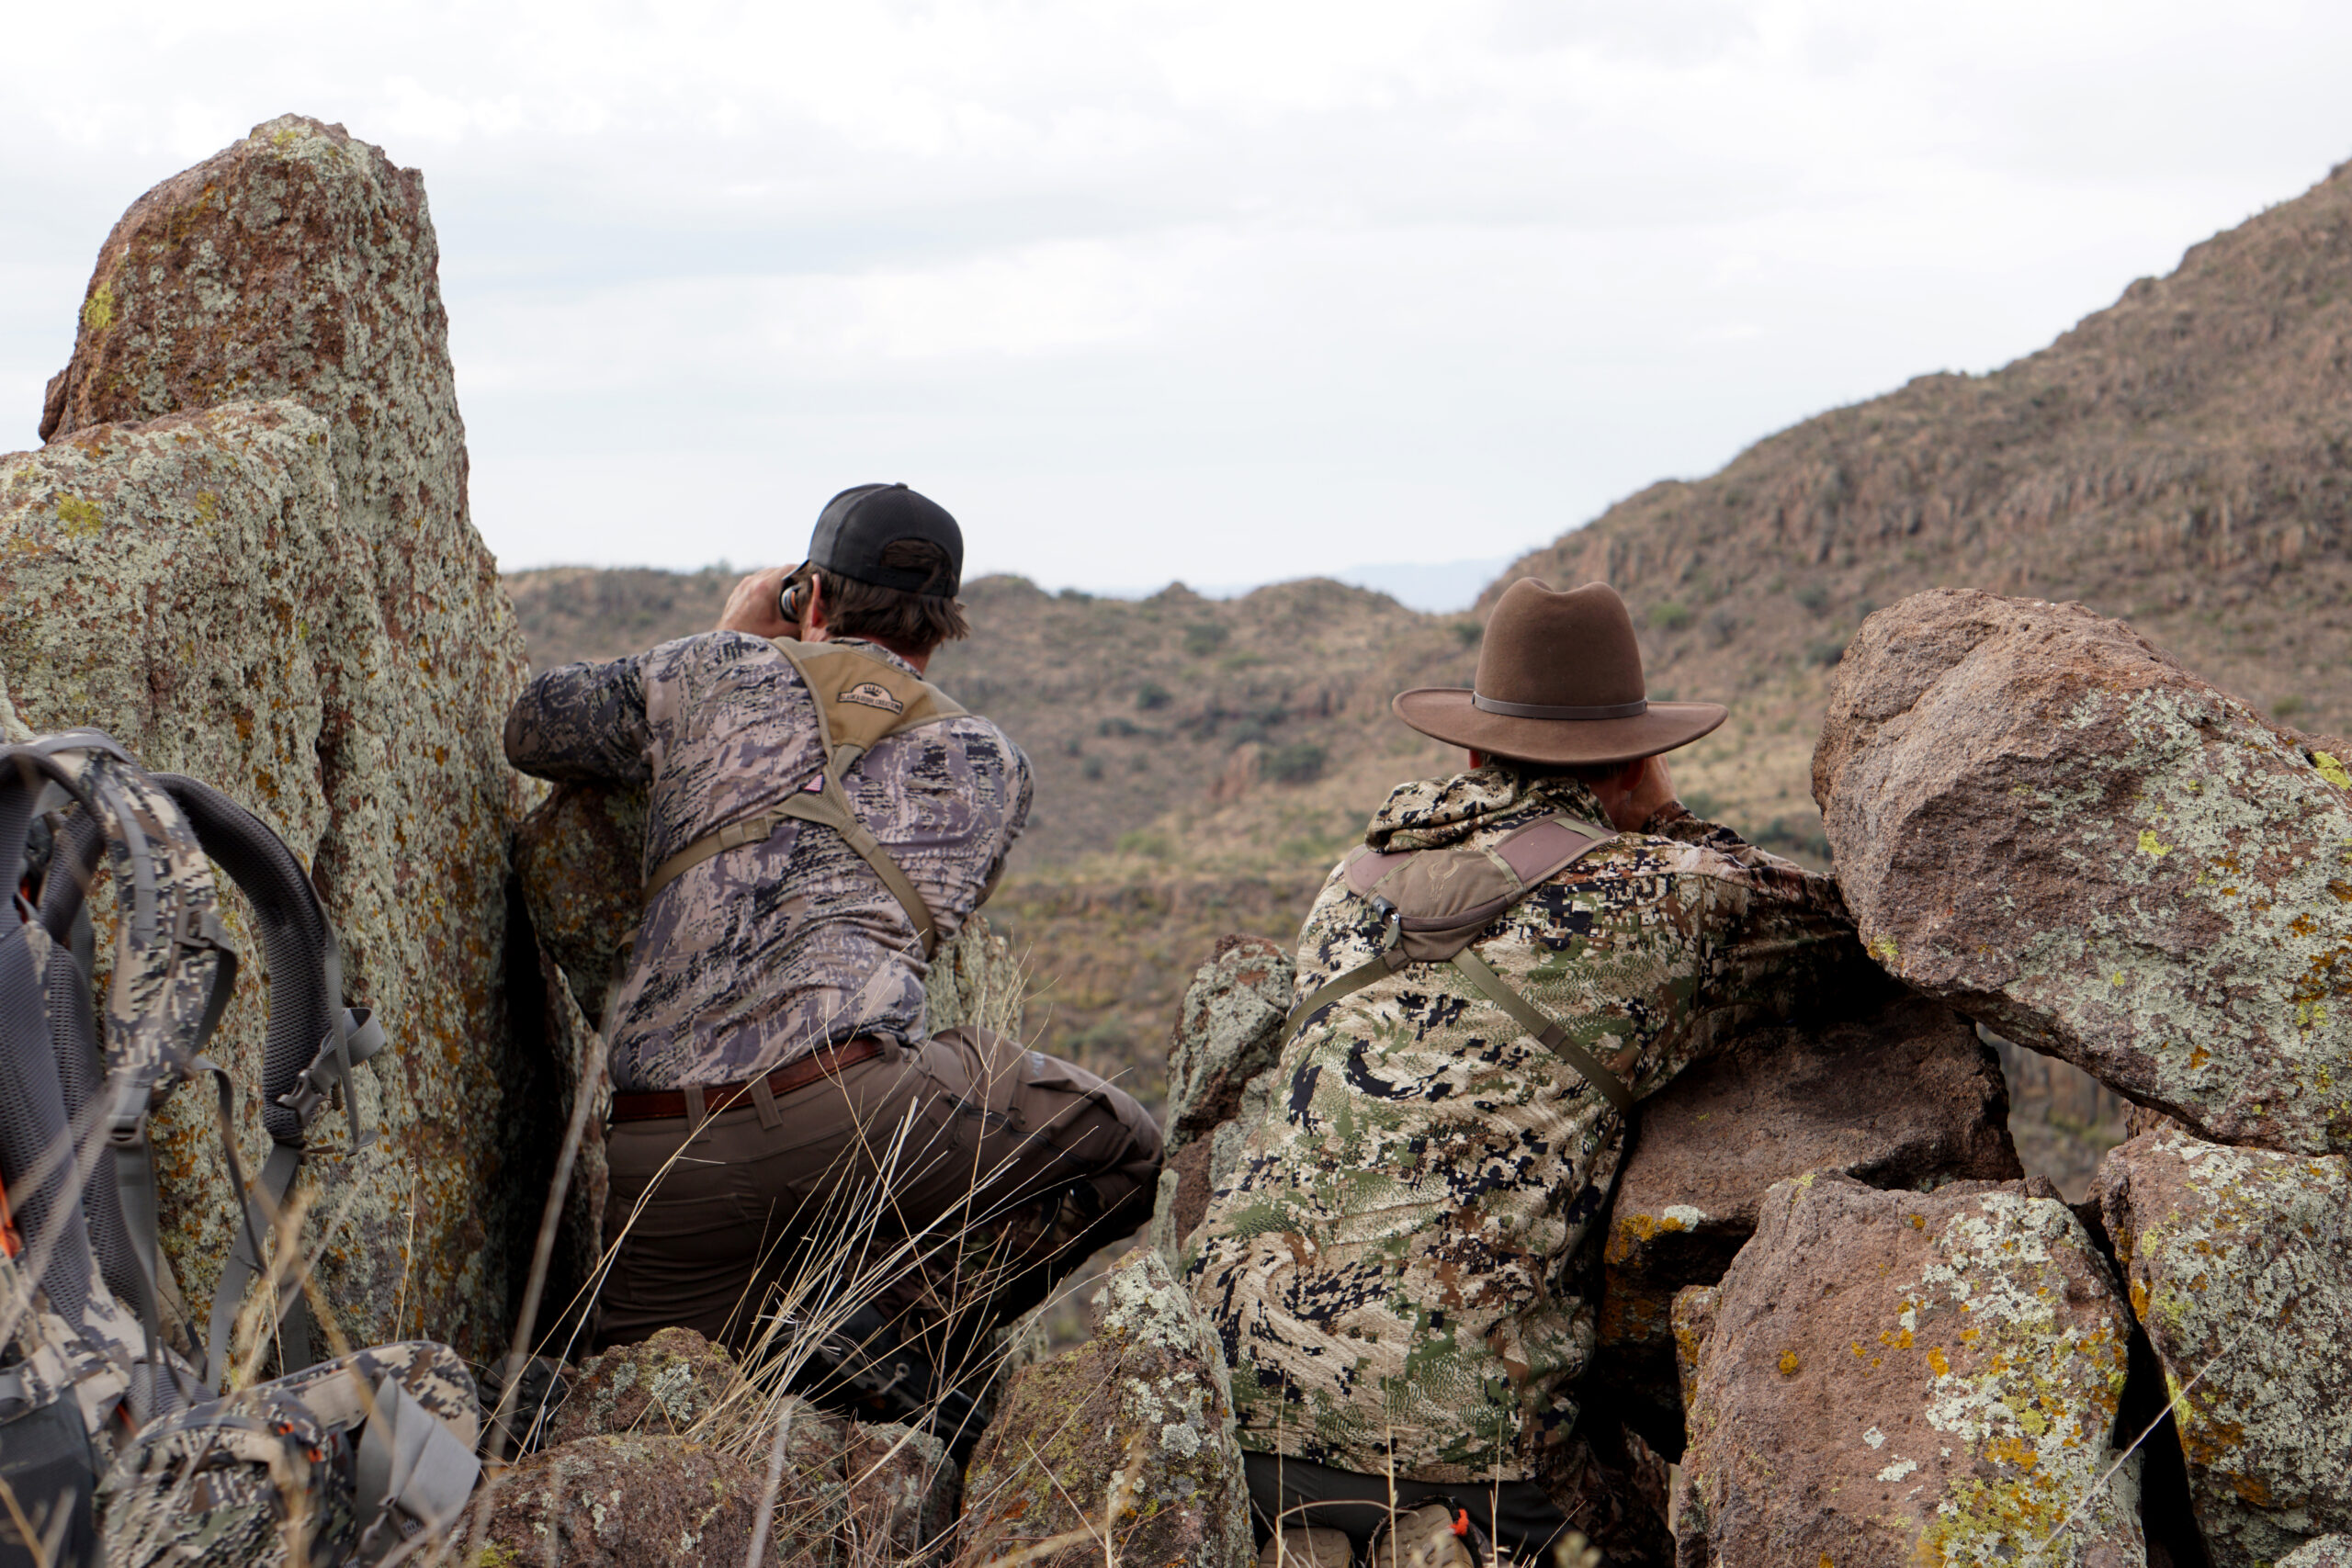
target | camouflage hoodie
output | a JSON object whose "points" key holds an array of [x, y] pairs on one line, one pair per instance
{"points": [[755, 958], [1394, 1267]]}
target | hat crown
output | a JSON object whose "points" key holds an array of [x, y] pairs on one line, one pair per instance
{"points": [[863, 521], [1548, 649]]}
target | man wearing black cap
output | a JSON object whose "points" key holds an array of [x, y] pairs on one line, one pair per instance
{"points": [[819, 817]]}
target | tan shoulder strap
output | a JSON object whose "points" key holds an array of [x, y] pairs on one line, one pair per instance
{"points": [[1433, 903], [860, 700]]}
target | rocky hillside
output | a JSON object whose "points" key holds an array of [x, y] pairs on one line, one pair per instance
{"points": [[2177, 459]]}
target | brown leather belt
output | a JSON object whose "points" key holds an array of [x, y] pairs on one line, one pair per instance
{"points": [[654, 1105]]}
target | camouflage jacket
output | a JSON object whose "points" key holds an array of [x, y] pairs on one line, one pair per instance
{"points": [[760, 955], [1398, 1267]]}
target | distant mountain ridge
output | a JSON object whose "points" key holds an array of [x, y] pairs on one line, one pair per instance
{"points": [[2182, 458]]}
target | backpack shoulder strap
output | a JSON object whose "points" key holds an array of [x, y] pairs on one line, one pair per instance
{"points": [[859, 701], [1433, 903]]}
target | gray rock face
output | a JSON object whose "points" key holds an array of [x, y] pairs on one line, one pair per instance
{"points": [[2327, 1551], [286, 598], [662, 1385], [2041, 818], [1896, 1378], [626, 1502], [1228, 1033], [1128, 1438], [1906, 1097], [2241, 1273]]}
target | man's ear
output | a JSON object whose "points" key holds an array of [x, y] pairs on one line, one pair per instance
{"points": [[812, 615]]}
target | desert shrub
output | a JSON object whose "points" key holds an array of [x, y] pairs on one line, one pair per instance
{"points": [[1824, 651], [1812, 596], [1299, 762], [1670, 615], [1151, 696], [1205, 637]]}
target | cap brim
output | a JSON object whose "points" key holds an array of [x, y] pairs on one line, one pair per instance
{"points": [[1447, 713]]}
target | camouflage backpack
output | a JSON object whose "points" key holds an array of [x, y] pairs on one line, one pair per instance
{"points": [[1432, 904], [80, 1335]]}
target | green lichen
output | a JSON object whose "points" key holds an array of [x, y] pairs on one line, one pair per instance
{"points": [[97, 311], [2331, 770], [82, 520]]}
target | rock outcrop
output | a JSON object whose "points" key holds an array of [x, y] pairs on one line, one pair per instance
{"points": [[2042, 819], [2327, 1551], [662, 1385], [1122, 1450], [1228, 1035], [627, 1502], [1906, 1097], [245, 553], [2240, 1270], [1894, 1378]]}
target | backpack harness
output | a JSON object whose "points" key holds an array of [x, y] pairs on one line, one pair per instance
{"points": [[871, 699], [1432, 904]]}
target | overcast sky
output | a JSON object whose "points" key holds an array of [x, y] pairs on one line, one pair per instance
{"points": [[1221, 291]]}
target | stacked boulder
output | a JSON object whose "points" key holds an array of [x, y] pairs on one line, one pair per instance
{"points": [[245, 553], [2043, 820]]}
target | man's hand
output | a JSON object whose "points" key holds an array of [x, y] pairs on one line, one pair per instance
{"points": [[752, 606]]}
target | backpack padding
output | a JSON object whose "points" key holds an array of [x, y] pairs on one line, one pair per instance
{"points": [[72, 1031], [36, 1139], [73, 870], [297, 937], [81, 1073]]}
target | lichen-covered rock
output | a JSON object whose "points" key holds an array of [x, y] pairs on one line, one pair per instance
{"points": [[2240, 1270], [1228, 1033], [663, 1384], [1897, 1378], [2326, 1551], [580, 857], [624, 1502], [2042, 819], [1904, 1096], [294, 606], [1128, 1438], [902, 1495]]}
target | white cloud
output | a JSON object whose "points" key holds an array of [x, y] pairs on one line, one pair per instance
{"points": [[1211, 288]]}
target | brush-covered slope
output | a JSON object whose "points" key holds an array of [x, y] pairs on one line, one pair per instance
{"points": [[2178, 459]]}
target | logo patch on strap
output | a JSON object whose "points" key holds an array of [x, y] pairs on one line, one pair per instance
{"points": [[872, 695]]}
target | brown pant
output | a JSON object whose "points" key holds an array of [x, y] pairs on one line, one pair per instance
{"points": [[966, 1149]]}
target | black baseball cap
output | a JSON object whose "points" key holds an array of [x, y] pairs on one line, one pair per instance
{"points": [[857, 523]]}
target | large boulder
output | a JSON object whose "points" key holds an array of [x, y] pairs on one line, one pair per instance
{"points": [[2241, 1273], [1896, 1378], [1906, 1097], [1121, 1450], [629, 1502], [663, 1384], [1228, 1036], [2041, 818], [246, 552]]}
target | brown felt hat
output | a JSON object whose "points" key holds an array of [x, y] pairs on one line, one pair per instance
{"points": [[1559, 681]]}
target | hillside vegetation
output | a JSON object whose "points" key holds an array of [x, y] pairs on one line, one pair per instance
{"points": [[2178, 458]]}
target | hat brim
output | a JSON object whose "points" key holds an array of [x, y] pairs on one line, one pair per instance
{"points": [[1446, 712]]}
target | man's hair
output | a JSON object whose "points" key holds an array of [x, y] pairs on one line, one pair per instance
{"points": [[1586, 773], [919, 622]]}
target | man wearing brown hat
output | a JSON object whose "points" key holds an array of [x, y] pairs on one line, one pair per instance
{"points": [[819, 817], [1516, 957]]}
